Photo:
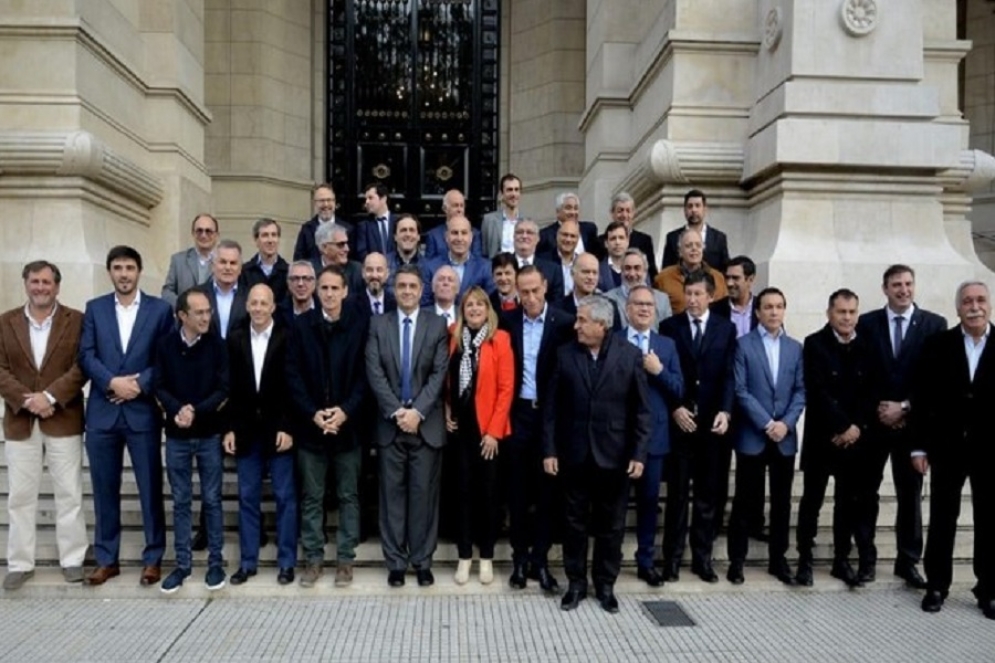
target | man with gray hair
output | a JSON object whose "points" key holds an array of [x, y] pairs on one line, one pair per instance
{"points": [[267, 266], [223, 289], [623, 210], [333, 241], [568, 209], [596, 429], [453, 205], [634, 271]]}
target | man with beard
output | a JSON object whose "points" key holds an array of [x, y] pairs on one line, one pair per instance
{"points": [[323, 197], [713, 240], [375, 299]]}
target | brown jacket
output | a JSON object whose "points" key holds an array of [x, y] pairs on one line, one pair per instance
{"points": [[60, 374], [670, 281]]}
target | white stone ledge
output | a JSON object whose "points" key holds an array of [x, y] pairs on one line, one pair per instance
{"points": [[671, 162], [77, 154]]}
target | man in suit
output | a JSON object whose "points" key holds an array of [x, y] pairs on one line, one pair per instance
{"points": [[706, 345], [407, 238], [116, 353], [567, 237], [568, 209], [623, 211], [191, 388], [224, 292], [445, 290], [327, 379], [453, 205], [267, 266], [537, 330], [192, 267], [665, 390], [896, 334], [526, 240], [585, 274], [259, 434], [334, 244], [635, 267], [375, 298], [595, 432], [472, 270], [840, 405], [671, 279], [498, 227], [300, 283], [716, 246], [955, 388], [616, 243], [770, 394], [323, 197], [737, 307], [376, 232], [42, 388], [406, 358]]}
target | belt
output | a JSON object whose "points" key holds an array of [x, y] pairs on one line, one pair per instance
{"points": [[531, 403]]}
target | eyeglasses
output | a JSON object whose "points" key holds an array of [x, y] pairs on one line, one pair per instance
{"points": [[338, 245], [641, 303], [525, 232], [204, 231], [300, 279]]}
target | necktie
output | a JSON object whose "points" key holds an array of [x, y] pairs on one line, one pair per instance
{"points": [[376, 308], [525, 262], [382, 227], [406, 362], [639, 340], [644, 343], [696, 337], [896, 343]]}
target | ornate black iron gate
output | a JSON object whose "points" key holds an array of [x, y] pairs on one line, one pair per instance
{"points": [[413, 102]]}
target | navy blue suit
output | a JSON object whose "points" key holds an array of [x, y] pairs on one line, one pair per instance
{"points": [[436, 247], [476, 271], [368, 239], [134, 424], [665, 391]]}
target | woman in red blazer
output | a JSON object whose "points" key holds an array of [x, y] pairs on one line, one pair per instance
{"points": [[478, 406]]}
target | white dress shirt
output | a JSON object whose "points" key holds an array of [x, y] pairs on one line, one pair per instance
{"points": [[772, 346], [126, 316], [260, 343], [39, 333], [973, 349]]}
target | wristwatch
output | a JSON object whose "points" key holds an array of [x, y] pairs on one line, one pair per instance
{"points": [[906, 406]]}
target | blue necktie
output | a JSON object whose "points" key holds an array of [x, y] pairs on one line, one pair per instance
{"points": [[382, 229], [406, 363]]}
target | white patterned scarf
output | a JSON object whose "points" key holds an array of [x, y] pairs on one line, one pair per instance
{"points": [[471, 346]]}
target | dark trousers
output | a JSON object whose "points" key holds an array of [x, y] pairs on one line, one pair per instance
{"points": [[251, 468], [105, 450], [854, 500], [595, 501], [410, 476], [947, 482], [750, 477], [533, 496], [647, 507], [180, 457], [695, 464], [476, 499], [908, 494]]}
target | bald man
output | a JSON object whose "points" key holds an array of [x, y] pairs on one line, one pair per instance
{"points": [[453, 205], [472, 270]]}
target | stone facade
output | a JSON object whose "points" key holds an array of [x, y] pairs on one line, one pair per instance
{"points": [[828, 133]]}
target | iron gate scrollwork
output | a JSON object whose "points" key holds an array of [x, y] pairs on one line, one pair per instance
{"points": [[413, 102]]}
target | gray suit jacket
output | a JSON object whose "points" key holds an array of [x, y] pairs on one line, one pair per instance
{"points": [[490, 229], [429, 360], [663, 310], [182, 275]]}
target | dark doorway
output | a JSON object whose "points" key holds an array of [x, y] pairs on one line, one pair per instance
{"points": [[413, 103]]}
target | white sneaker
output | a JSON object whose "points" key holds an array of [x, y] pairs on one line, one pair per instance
{"points": [[462, 572], [486, 571]]}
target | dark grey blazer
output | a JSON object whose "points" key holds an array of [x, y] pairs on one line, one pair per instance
{"points": [[182, 275]]}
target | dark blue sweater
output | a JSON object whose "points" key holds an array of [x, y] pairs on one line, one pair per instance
{"points": [[197, 375]]}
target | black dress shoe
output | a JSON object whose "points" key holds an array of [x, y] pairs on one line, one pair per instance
{"points": [[607, 600], [780, 570], [987, 607], [705, 571], [573, 597], [842, 570], [546, 580], [911, 576], [650, 576], [804, 574], [240, 576], [285, 576], [932, 601], [735, 573], [425, 577], [867, 572], [517, 579], [395, 578], [199, 541], [671, 571]]}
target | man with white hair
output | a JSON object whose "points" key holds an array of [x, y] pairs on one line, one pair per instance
{"points": [[634, 273], [623, 210], [333, 241], [568, 209]]}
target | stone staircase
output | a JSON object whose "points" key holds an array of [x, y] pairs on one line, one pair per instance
{"points": [[368, 553]]}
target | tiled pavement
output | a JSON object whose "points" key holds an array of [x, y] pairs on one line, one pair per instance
{"points": [[47, 621]]}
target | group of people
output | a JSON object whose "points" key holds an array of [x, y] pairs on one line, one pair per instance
{"points": [[552, 369]]}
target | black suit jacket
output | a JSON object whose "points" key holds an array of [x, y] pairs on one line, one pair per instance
{"points": [[253, 274], [723, 308], [368, 238], [362, 303], [838, 394], [716, 248], [637, 240], [709, 386], [557, 330], [238, 317], [894, 375], [588, 233], [308, 376], [256, 416], [306, 249], [568, 304], [951, 418], [606, 416]]}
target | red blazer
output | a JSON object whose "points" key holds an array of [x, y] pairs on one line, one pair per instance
{"points": [[495, 384]]}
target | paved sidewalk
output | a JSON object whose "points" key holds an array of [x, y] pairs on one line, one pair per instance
{"points": [[262, 622]]}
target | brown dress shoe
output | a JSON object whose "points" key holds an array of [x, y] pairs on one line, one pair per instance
{"points": [[150, 575], [102, 574]]}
